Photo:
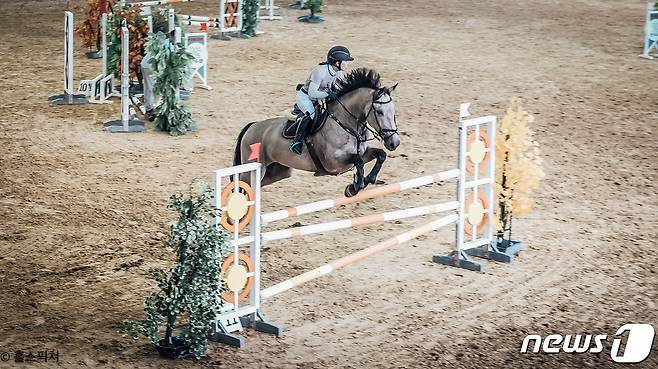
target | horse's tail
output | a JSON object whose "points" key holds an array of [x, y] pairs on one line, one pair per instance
{"points": [[237, 157]]}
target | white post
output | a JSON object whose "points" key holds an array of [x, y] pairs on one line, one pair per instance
{"points": [[222, 21], [172, 24], [146, 12], [125, 77], [254, 298], [68, 98], [491, 173], [177, 35], [461, 191], [104, 43], [68, 57], [647, 45]]}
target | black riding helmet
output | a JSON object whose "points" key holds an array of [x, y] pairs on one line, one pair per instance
{"points": [[339, 53]]}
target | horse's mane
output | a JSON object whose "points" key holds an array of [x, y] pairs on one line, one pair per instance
{"points": [[360, 77]]}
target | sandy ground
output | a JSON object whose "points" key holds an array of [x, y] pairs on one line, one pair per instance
{"points": [[83, 211]]}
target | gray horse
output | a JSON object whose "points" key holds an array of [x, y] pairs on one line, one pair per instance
{"points": [[362, 112]]}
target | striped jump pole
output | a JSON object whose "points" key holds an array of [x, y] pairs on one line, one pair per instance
{"points": [[368, 194], [361, 221], [155, 3], [355, 257], [197, 18], [201, 24]]}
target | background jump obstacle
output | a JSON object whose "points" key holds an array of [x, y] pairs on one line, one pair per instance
{"points": [[239, 203], [68, 98], [101, 88], [125, 124], [267, 11], [650, 31], [230, 18], [197, 45]]}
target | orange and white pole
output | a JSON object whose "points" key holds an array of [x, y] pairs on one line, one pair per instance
{"points": [[355, 257], [368, 194], [360, 221]]}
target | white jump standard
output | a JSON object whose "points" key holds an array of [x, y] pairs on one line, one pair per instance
{"points": [[197, 45], [269, 9], [125, 124], [68, 98], [650, 31], [477, 147], [230, 19], [239, 205], [243, 274], [101, 88]]}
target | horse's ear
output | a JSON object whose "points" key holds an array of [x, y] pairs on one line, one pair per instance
{"points": [[391, 89]]}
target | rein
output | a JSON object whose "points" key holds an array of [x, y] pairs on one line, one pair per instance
{"points": [[381, 135]]}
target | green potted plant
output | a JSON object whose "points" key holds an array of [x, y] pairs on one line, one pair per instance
{"points": [[172, 69], [187, 293], [250, 9], [315, 6]]}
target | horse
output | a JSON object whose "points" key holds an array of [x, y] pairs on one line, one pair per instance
{"points": [[362, 111]]}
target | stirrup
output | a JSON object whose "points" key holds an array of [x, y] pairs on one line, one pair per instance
{"points": [[296, 147]]}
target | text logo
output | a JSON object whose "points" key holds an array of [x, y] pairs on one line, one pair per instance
{"points": [[637, 348]]}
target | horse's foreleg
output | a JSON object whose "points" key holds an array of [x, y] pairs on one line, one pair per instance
{"points": [[359, 180], [370, 154]]}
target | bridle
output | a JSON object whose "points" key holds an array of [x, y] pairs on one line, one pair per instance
{"points": [[382, 134]]}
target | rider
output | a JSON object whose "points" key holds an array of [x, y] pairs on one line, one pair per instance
{"points": [[319, 85]]}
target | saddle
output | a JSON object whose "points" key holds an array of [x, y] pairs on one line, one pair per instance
{"points": [[295, 116], [290, 129]]}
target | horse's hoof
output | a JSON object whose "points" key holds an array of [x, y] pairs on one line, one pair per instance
{"points": [[349, 191]]}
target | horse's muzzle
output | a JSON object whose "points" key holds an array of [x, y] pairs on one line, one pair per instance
{"points": [[392, 142]]}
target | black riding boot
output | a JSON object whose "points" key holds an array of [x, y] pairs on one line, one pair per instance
{"points": [[296, 145]]}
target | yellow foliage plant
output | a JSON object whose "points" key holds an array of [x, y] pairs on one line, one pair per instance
{"points": [[518, 167]]}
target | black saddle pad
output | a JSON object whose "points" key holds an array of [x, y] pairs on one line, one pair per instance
{"points": [[290, 128]]}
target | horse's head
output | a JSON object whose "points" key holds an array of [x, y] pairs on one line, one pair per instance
{"points": [[381, 117]]}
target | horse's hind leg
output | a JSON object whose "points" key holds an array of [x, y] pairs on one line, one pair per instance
{"points": [[275, 172]]}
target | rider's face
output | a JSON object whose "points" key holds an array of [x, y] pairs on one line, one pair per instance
{"points": [[343, 64]]}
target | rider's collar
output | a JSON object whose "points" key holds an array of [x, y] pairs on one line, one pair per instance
{"points": [[331, 70]]}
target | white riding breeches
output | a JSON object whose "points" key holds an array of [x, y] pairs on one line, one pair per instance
{"points": [[149, 83], [305, 103]]}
